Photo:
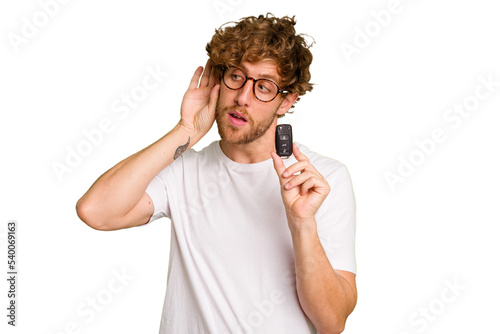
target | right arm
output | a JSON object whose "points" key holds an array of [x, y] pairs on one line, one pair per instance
{"points": [[118, 198]]}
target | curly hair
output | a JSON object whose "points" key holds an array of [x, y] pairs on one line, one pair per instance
{"points": [[254, 39]]}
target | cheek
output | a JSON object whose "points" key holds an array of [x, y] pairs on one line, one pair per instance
{"points": [[225, 94], [264, 115]]}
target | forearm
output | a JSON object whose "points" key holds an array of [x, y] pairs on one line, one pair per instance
{"points": [[117, 199], [118, 190], [325, 296]]}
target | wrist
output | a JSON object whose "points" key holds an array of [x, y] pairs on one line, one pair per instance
{"points": [[302, 227], [185, 131], [196, 130]]}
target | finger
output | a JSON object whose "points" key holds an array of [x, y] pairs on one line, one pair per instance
{"points": [[214, 97], [293, 169], [301, 166], [213, 77], [196, 77], [306, 183], [297, 167], [206, 74], [315, 184], [279, 166], [297, 180], [297, 154], [310, 184]]}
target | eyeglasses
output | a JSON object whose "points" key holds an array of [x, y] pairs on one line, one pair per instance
{"points": [[264, 90]]}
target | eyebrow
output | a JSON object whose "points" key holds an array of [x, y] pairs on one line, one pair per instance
{"points": [[265, 76]]}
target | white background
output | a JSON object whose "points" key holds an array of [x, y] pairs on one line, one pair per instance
{"points": [[440, 225]]}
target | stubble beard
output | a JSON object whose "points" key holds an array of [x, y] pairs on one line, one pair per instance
{"points": [[234, 135]]}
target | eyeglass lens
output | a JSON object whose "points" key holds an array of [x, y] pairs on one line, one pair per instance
{"points": [[264, 89]]}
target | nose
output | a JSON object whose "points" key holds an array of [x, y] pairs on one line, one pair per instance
{"points": [[245, 94]]}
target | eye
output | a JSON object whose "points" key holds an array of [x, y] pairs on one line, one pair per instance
{"points": [[265, 86], [236, 77], [263, 89]]}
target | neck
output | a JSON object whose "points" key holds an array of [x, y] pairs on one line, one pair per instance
{"points": [[256, 151]]}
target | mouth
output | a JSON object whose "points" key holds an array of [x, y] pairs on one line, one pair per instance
{"points": [[237, 119]]}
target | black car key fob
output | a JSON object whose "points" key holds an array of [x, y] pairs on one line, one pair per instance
{"points": [[284, 140]]}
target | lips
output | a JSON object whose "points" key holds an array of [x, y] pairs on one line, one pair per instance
{"points": [[238, 115], [237, 119]]}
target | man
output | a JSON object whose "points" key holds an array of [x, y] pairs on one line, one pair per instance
{"points": [[253, 247]]}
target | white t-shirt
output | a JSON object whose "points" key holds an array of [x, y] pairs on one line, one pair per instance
{"points": [[231, 264]]}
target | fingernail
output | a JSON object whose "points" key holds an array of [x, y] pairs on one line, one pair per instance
{"points": [[285, 174]]}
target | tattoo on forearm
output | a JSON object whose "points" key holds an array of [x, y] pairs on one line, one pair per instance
{"points": [[181, 149]]}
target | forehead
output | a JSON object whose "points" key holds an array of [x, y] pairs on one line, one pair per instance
{"points": [[262, 69]]}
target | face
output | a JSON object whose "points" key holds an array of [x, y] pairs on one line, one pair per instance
{"points": [[241, 118]]}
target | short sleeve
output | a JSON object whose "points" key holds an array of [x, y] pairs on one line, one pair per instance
{"points": [[157, 190], [336, 221]]}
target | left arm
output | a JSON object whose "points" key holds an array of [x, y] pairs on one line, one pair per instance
{"points": [[327, 296]]}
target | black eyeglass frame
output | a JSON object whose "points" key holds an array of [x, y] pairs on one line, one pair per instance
{"points": [[280, 91]]}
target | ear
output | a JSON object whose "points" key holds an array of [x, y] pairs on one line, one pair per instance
{"points": [[287, 103]]}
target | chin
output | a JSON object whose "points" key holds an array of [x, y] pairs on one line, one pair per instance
{"points": [[238, 136], [233, 136]]}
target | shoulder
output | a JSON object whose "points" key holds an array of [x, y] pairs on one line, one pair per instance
{"points": [[330, 168], [190, 160]]}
